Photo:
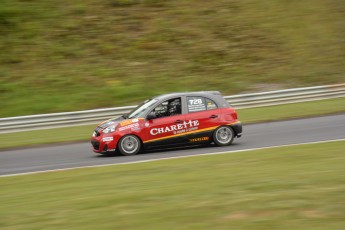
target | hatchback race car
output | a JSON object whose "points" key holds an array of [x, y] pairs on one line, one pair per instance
{"points": [[169, 121]]}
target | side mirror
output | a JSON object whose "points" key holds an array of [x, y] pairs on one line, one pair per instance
{"points": [[151, 116]]}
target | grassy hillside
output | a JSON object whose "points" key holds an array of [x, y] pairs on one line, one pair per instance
{"points": [[70, 55]]}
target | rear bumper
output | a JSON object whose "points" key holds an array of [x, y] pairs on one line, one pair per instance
{"points": [[237, 127]]}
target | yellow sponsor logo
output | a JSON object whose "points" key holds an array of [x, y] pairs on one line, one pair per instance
{"points": [[128, 122], [199, 139]]}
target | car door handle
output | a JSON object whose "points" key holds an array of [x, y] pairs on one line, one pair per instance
{"points": [[178, 121], [213, 116]]}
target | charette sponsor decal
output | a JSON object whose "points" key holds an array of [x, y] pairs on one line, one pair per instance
{"points": [[186, 126]]}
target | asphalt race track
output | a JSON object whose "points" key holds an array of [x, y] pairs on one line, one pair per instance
{"points": [[254, 136]]}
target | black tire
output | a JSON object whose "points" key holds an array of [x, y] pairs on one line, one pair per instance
{"points": [[223, 136], [129, 145]]}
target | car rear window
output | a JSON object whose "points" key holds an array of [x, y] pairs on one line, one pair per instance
{"points": [[196, 104], [211, 104]]}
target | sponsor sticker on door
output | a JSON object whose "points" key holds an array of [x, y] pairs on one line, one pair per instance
{"points": [[186, 126]]}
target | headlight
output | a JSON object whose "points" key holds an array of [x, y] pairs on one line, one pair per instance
{"points": [[109, 129]]}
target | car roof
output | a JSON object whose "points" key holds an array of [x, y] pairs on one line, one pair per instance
{"points": [[210, 94], [213, 95]]}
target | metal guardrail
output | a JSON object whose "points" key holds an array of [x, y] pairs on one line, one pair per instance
{"points": [[252, 100], [286, 96]]}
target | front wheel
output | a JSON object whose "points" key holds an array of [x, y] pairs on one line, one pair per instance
{"points": [[129, 145], [223, 136]]}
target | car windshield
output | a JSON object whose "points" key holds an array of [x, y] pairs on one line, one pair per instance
{"points": [[141, 109]]}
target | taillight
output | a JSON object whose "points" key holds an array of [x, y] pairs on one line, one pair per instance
{"points": [[234, 115]]}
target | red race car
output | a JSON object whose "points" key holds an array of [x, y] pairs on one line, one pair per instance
{"points": [[170, 120]]}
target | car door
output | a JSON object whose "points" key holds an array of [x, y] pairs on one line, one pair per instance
{"points": [[167, 128], [206, 113]]}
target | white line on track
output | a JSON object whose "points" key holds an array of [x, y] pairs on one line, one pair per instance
{"points": [[168, 158]]}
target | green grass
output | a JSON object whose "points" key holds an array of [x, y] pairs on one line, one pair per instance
{"points": [[46, 136], [82, 54], [271, 113], [300, 187]]}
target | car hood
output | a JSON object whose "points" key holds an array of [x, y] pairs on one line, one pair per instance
{"points": [[112, 121]]}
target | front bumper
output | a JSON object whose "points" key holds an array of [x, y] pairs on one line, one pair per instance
{"points": [[102, 144], [95, 144]]}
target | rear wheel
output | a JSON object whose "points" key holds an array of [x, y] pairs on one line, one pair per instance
{"points": [[223, 136], [129, 145]]}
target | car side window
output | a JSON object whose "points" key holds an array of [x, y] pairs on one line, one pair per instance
{"points": [[211, 104], [196, 104], [168, 108]]}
